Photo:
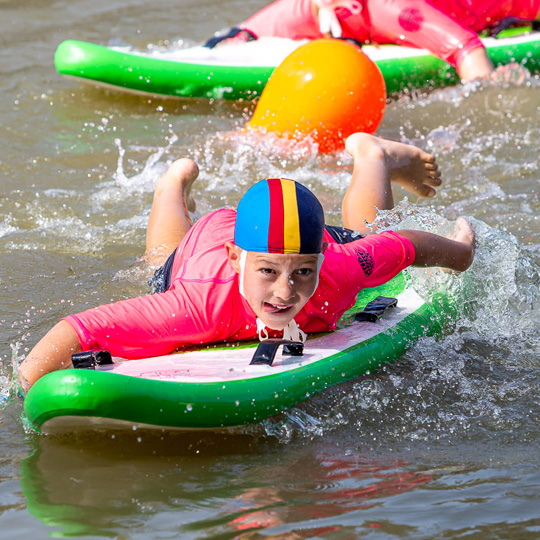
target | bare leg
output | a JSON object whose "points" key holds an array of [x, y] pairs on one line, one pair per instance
{"points": [[169, 218], [378, 163]]}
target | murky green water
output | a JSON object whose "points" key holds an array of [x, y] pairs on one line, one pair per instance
{"points": [[444, 444]]}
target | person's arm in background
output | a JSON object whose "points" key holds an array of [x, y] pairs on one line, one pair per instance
{"points": [[423, 25]]}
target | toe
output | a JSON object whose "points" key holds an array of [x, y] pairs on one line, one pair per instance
{"points": [[427, 158], [426, 191], [434, 180]]}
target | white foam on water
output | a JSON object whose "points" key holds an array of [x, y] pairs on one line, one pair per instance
{"points": [[6, 228], [446, 385]]}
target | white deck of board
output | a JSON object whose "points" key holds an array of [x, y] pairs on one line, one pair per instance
{"points": [[232, 363], [271, 51]]}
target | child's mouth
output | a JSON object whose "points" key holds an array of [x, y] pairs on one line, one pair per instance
{"points": [[276, 308]]}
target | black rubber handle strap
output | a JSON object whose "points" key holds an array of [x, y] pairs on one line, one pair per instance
{"points": [[233, 32], [91, 359], [514, 22], [267, 349], [375, 309]]}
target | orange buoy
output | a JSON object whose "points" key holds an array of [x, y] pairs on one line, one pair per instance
{"points": [[327, 88]]}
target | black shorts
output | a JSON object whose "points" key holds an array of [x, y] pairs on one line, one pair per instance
{"points": [[161, 280], [342, 235]]}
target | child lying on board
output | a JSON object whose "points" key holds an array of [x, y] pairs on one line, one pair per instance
{"points": [[269, 269], [447, 28]]}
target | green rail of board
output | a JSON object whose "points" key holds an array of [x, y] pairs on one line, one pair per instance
{"points": [[151, 75]]}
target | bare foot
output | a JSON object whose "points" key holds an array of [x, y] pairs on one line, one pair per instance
{"points": [[408, 166], [185, 171]]}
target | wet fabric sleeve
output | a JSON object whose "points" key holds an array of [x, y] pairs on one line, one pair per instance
{"points": [[349, 268], [421, 24], [447, 28], [146, 326], [292, 19], [370, 261]]}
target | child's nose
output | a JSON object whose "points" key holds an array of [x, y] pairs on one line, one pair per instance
{"points": [[285, 287]]}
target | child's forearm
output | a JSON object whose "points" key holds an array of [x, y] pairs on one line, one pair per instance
{"points": [[474, 65], [52, 352], [434, 250]]}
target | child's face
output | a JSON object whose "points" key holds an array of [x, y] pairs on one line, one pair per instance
{"points": [[277, 286]]}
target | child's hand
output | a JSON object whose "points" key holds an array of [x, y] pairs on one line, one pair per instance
{"points": [[328, 23], [326, 12], [464, 234]]}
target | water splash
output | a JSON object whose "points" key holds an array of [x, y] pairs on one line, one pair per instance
{"points": [[444, 386], [88, 220], [4, 389], [231, 162], [6, 228], [9, 382], [227, 155], [123, 188], [503, 77]]}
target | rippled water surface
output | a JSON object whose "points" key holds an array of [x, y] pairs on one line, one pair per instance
{"points": [[442, 444]]}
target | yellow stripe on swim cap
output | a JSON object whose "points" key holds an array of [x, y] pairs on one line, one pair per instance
{"points": [[291, 222]]}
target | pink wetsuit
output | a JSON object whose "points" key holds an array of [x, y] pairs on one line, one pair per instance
{"points": [[447, 28], [204, 305]]}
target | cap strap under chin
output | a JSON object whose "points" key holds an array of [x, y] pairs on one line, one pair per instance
{"points": [[262, 332], [293, 333], [242, 263]]}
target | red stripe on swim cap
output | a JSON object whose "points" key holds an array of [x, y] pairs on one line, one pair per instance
{"points": [[277, 216]]}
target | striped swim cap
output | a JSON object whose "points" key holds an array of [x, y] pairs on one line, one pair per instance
{"points": [[277, 215]]}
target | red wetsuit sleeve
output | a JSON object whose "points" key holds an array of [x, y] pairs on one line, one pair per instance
{"points": [[150, 325], [293, 19], [420, 24], [370, 261], [349, 268]]}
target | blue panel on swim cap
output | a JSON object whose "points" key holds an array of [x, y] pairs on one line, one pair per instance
{"points": [[253, 219], [311, 215]]}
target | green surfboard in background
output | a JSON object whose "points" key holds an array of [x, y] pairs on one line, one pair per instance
{"points": [[241, 71]]}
